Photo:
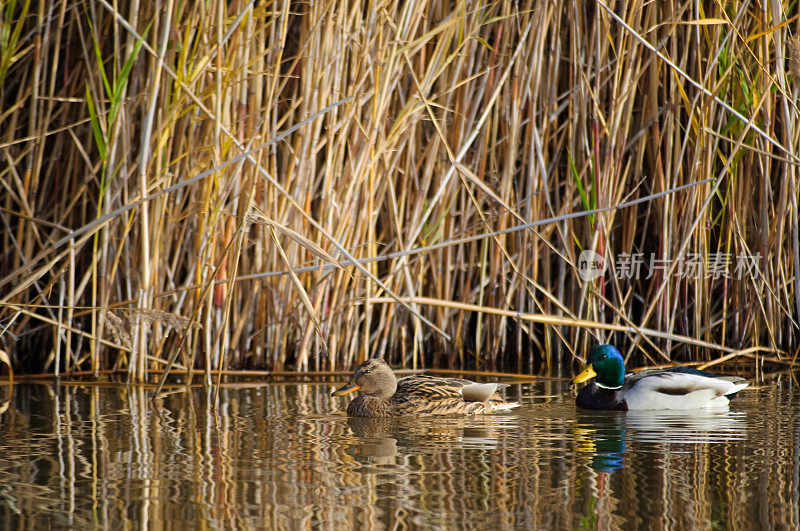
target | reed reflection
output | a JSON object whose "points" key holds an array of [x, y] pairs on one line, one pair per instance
{"points": [[650, 451], [383, 438], [6, 391]]}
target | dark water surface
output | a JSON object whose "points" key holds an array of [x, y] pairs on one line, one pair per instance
{"points": [[284, 456]]}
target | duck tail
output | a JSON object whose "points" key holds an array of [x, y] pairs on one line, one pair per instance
{"points": [[736, 387]]}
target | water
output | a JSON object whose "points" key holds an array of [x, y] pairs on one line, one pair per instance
{"points": [[284, 456]]}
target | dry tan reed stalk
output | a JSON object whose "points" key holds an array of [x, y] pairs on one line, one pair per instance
{"points": [[182, 158], [563, 321]]}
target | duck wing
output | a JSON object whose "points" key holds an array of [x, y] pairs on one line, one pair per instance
{"points": [[684, 380], [433, 388], [679, 389], [429, 395]]}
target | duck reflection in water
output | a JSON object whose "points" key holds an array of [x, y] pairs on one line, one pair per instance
{"points": [[376, 444], [602, 437], [684, 427], [380, 439], [602, 434]]}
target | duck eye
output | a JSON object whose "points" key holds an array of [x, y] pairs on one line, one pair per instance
{"points": [[365, 371]]}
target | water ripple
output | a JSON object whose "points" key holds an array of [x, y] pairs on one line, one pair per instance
{"points": [[284, 456]]}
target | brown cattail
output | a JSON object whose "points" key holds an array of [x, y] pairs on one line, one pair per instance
{"points": [[794, 59]]}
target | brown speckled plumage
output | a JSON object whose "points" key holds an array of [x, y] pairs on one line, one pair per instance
{"points": [[382, 395]]}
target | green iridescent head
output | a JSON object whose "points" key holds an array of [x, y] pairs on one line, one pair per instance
{"points": [[604, 363]]}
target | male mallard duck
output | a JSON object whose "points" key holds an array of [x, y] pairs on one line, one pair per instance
{"points": [[674, 388], [383, 395]]}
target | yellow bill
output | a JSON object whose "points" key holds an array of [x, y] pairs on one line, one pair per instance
{"points": [[587, 374]]}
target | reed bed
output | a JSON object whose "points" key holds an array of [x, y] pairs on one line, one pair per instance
{"points": [[297, 186]]}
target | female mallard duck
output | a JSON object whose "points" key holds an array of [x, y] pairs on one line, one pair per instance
{"points": [[383, 395], [674, 388]]}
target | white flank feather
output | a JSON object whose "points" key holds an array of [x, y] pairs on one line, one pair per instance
{"points": [[682, 391]]}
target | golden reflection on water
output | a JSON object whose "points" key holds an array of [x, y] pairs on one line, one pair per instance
{"points": [[283, 456]]}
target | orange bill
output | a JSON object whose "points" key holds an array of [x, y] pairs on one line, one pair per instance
{"points": [[349, 387]]}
